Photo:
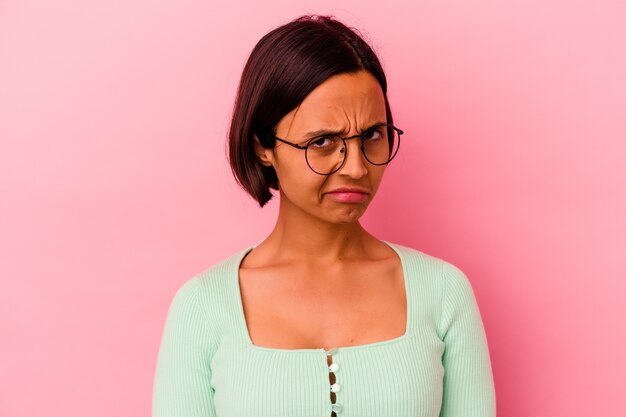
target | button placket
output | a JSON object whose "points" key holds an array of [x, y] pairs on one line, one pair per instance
{"points": [[335, 387]]}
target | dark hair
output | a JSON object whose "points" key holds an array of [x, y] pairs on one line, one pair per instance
{"points": [[284, 67]]}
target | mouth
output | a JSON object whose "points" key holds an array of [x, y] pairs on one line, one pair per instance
{"points": [[348, 196]]}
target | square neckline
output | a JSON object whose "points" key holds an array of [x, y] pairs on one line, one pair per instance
{"points": [[244, 325]]}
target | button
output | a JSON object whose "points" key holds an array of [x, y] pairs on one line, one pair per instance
{"points": [[335, 387], [336, 407], [333, 367]]}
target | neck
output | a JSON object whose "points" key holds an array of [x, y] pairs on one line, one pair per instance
{"points": [[301, 235]]}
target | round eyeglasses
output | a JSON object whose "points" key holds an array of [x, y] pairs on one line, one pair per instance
{"points": [[326, 154]]}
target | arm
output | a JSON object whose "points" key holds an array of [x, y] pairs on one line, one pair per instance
{"points": [[468, 387], [181, 381]]}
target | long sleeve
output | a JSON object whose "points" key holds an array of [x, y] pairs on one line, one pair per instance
{"points": [[468, 386], [181, 386]]}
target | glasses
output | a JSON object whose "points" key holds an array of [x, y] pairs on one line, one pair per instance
{"points": [[326, 154]]}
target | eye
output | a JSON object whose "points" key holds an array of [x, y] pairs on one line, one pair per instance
{"points": [[373, 134], [321, 142]]}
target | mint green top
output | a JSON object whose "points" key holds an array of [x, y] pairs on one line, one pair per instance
{"points": [[207, 365]]}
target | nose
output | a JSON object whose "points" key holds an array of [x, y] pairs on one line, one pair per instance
{"points": [[355, 164]]}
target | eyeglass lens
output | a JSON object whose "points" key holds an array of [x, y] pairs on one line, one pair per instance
{"points": [[325, 154]]}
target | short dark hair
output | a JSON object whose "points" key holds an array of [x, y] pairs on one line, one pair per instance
{"points": [[283, 68]]}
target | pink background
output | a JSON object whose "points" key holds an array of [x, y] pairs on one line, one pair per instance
{"points": [[115, 186]]}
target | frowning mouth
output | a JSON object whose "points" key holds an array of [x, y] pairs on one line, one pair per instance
{"points": [[347, 197]]}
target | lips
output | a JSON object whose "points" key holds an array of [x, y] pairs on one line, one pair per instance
{"points": [[349, 195], [350, 190]]}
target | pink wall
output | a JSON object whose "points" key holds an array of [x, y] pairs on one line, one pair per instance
{"points": [[115, 187]]}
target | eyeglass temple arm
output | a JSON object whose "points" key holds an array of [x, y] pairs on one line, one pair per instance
{"points": [[295, 145]]}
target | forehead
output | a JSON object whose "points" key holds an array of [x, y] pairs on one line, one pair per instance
{"points": [[349, 100]]}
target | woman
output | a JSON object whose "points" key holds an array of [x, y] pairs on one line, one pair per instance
{"points": [[321, 318]]}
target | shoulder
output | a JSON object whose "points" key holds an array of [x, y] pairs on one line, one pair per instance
{"points": [[443, 286], [203, 304], [416, 258], [209, 288], [438, 284], [216, 277], [423, 266], [441, 270]]}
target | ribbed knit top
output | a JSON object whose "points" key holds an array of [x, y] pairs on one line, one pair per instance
{"points": [[207, 365]]}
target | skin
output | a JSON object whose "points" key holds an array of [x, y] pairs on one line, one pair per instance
{"points": [[320, 279]]}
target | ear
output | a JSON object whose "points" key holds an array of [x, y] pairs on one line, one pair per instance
{"points": [[264, 155]]}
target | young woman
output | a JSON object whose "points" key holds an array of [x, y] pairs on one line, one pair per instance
{"points": [[321, 318]]}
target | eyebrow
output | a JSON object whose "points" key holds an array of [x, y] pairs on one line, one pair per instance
{"points": [[324, 132]]}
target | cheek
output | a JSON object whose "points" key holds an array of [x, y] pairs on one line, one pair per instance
{"points": [[300, 185], [376, 175]]}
